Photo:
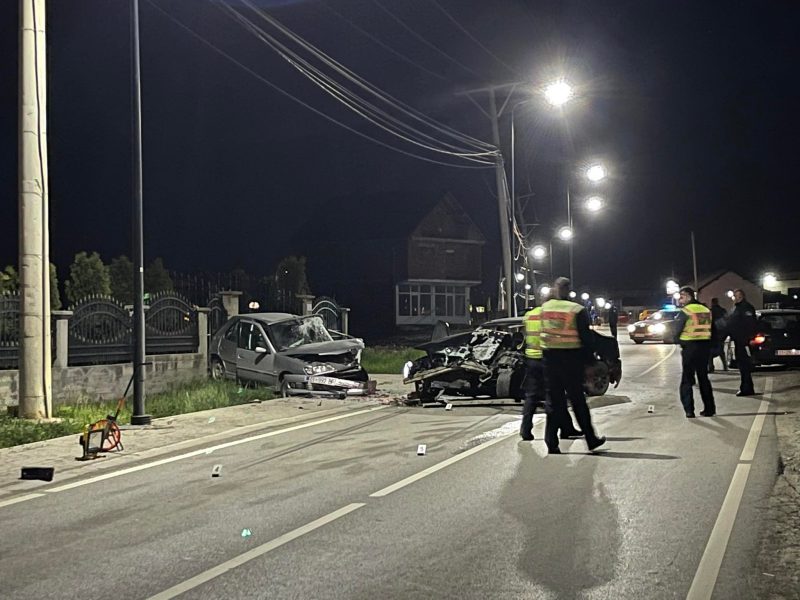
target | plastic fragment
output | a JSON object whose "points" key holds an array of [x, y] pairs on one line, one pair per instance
{"points": [[212, 419], [448, 406], [246, 533]]}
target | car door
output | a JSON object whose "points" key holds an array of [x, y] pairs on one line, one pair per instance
{"points": [[254, 357], [227, 349]]}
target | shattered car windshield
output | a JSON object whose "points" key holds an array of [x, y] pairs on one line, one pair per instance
{"points": [[298, 332]]}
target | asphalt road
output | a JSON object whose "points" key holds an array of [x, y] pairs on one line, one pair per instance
{"points": [[348, 509]]}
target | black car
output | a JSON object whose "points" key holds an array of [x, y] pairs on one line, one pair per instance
{"points": [[490, 361], [777, 338]]}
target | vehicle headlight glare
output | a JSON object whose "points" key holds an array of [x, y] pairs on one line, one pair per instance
{"points": [[659, 328], [631, 328]]}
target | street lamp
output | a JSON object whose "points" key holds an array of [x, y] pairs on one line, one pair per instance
{"points": [[544, 290], [769, 280], [672, 287], [519, 277], [572, 294], [558, 93], [594, 204], [601, 302], [565, 233], [538, 252], [585, 296], [596, 173]]}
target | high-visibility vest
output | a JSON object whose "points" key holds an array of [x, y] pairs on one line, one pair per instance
{"points": [[533, 330], [698, 325], [560, 325]]}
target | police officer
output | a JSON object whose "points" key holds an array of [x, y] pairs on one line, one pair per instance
{"points": [[567, 347], [534, 380], [742, 327], [695, 330]]}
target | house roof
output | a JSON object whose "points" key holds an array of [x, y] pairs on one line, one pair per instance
{"points": [[712, 277]]}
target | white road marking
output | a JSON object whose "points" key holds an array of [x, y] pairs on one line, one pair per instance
{"points": [[438, 467], [705, 579], [223, 568], [171, 459], [19, 499], [669, 354]]}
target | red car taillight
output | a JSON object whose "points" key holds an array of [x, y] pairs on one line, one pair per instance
{"points": [[759, 339]]}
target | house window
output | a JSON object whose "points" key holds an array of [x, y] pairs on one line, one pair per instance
{"points": [[413, 300], [450, 300]]}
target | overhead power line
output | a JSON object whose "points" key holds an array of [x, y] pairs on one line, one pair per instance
{"points": [[455, 22], [283, 92]]}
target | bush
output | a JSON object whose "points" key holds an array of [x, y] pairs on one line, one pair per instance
{"points": [[388, 359]]}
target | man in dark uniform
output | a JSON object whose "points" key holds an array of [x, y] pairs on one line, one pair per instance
{"points": [[567, 347], [742, 327], [613, 319], [695, 330], [718, 315]]}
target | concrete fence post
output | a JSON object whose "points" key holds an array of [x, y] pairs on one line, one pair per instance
{"points": [[202, 332], [62, 337], [230, 301], [308, 303]]}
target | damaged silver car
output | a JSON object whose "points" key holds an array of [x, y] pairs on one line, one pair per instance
{"points": [[292, 354], [490, 361]]}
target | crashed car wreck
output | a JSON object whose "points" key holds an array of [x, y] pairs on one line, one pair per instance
{"points": [[292, 354], [490, 361]]}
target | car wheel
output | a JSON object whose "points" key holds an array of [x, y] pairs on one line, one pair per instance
{"points": [[638, 341], [217, 369], [503, 385], [284, 388], [597, 379]]}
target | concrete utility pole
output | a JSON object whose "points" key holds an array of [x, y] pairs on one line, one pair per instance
{"points": [[35, 379], [502, 190]]}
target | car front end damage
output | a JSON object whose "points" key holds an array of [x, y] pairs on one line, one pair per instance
{"points": [[329, 369]]}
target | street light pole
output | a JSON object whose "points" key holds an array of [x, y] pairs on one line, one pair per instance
{"points": [[139, 417], [571, 241]]}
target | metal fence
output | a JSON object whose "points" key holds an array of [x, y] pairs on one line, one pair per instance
{"points": [[9, 329], [329, 311]]}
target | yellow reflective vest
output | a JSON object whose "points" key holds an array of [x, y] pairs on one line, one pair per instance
{"points": [[698, 323], [560, 325], [533, 330]]}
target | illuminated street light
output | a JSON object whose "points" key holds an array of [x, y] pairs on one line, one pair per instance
{"points": [[544, 290], [253, 305], [519, 276], [539, 252], [527, 286], [558, 93], [601, 302], [607, 306], [566, 233], [729, 294], [585, 296], [769, 280], [572, 294], [596, 173], [672, 287], [594, 204], [676, 296]]}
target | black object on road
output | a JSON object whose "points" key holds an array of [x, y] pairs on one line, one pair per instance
{"points": [[40, 473]]}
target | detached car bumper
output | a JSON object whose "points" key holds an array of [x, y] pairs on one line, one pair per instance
{"points": [[325, 385]]}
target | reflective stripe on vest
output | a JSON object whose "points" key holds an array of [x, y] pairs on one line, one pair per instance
{"points": [[560, 325], [533, 329], [698, 325]]}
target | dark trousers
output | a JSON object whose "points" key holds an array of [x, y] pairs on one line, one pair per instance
{"points": [[745, 366], [563, 375], [717, 349], [694, 360], [535, 394], [613, 326]]}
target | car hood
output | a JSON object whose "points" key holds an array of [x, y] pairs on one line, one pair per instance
{"points": [[322, 349]]}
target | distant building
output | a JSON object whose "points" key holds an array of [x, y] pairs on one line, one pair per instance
{"points": [[722, 284]]}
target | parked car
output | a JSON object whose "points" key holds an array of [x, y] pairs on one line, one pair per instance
{"points": [[490, 361], [292, 354], [777, 340], [658, 327]]}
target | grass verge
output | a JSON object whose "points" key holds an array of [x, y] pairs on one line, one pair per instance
{"points": [[387, 359], [186, 398]]}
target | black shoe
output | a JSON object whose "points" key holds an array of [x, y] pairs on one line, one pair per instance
{"points": [[741, 393], [707, 413], [526, 438], [553, 451], [575, 433], [690, 415], [596, 443]]}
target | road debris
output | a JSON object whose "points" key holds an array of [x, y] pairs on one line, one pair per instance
{"points": [[651, 408], [246, 533], [421, 449], [40, 473], [216, 471], [448, 406], [212, 419]]}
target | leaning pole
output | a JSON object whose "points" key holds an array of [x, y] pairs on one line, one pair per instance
{"points": [[35, 400]]}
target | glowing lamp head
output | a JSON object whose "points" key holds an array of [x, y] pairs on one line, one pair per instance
{"points": [[566, 233], [596, 173], [594, 204], [558, 93], [539, 252]]}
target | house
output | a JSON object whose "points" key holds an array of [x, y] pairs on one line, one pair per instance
{"points": [[721, 285], [397, 259]]}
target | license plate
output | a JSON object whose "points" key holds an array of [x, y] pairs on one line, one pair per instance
{"points": [[792, 352], [334, 382]]}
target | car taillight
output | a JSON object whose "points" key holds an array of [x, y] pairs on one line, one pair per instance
{"points": [[759, 339]]}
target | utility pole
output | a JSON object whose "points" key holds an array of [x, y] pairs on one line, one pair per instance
{"points": [[35, 384], [694, 263], [138, 417], [504, 215]]}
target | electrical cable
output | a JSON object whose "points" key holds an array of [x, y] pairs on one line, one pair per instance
{"points": [[473, 38], [363, 83], [345, 96], [283, 92]]}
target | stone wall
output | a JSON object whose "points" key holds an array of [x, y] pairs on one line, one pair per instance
{"points": [[105, 382]]}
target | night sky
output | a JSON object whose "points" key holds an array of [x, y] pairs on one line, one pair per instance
{"points": [[693, 105]]}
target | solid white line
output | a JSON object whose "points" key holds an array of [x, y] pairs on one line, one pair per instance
{"points": [[437, 467], [19, 499], [705, 579], [223, 568], [201, 451], [670, 353]]}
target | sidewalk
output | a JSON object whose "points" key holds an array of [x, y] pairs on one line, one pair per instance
{"points": [[178, 433]]}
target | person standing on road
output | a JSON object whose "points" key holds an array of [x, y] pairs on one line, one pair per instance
{"points": [[695, 330], [566, 347], [718, 315], [534, 380], [742, 327], [613, 319]]}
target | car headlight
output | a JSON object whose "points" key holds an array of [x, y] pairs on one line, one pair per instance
{"points": [[317, 369], [659, 328], [631, 328], [407, 369]]}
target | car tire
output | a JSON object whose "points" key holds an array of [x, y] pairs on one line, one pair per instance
{"points": [[217, 369], [284, 389], [638, 341], [597, 379], [503, 385]]}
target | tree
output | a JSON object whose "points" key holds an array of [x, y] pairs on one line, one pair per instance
{"points": [[9, 280], [55, 296], [290, 281], [156, 278], [120, 273], [87, 276]]}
